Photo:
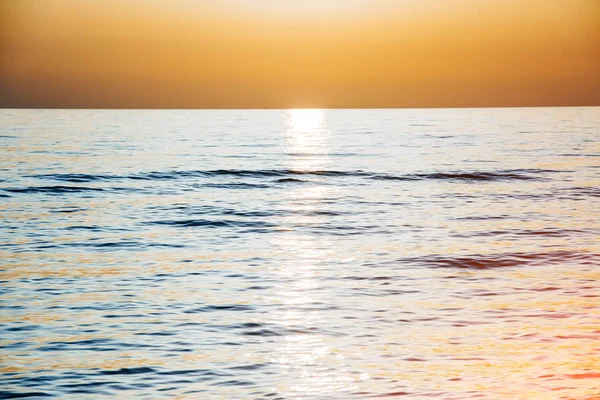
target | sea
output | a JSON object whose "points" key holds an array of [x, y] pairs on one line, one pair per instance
{"points": [[300, 254]]}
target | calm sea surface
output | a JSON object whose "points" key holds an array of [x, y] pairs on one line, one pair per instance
{"points": [[302, 254]]}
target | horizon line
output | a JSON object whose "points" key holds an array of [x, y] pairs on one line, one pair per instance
{"points": [[287, 108]]}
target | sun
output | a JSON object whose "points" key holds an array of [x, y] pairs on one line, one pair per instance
{"points": [[306, 120]]}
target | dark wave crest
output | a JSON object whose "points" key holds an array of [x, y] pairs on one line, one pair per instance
{"points": [[235, 185], [287, 175], [22, 395], [76, 178], [492, 261], [550, 232], [53, 189], [477, 176], [211, 224]]}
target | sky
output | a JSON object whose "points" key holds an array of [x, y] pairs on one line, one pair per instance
{"points": [[299, 53]]}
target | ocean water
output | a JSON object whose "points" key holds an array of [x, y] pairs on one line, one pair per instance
{"points": [[300, 254]]}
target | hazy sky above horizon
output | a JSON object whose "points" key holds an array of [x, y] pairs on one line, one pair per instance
{"points": [[298, 53]]}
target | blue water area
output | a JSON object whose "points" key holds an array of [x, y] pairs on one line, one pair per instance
{"points": [[300, 254]]}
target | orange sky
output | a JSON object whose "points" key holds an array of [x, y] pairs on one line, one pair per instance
{"points": [[298, 53]]}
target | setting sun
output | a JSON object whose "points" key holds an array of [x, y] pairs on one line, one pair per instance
{"points": [[306, 120]]}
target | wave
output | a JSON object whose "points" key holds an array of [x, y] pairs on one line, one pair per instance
{"points": [[186, 223], [221, 211], [287, 175], [129, 371], [503, 260], [265, 173], [531, 232], [215, 210], [484, 217], [235, 185], [579, 193], [67, 210], [582, 193], [216, 308], [53, 189], [21, 395], [76, 178], [290, 180], [520, 174], [63, 189], [477, 176], [104, 246]]}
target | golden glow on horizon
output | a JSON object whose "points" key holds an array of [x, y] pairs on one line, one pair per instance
{"points": [[292, 53]]}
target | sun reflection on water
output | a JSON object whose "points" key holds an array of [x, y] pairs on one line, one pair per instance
{"points": [[307, 358], [307, 139]]}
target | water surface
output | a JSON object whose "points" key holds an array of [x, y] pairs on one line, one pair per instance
{"points": [[308, 254]]}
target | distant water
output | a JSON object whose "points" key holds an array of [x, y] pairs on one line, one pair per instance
{"points": [[306, 254]]}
